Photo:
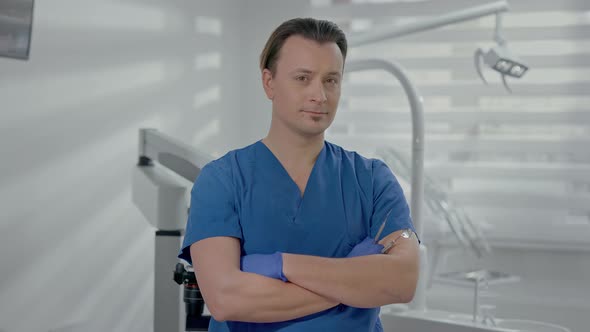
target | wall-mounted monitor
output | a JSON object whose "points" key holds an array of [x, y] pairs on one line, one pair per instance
{"points": [[16, 20]]}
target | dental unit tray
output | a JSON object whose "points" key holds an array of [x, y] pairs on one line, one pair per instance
{"points": [[467, 279]]}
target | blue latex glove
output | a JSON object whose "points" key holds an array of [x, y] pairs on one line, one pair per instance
{"points": [[266, 265], [365, 247]]}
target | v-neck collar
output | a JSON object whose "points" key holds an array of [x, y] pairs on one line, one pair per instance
{"points": [[318, 160]]}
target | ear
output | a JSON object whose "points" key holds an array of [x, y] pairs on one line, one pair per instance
{"points": [[267, 83]]}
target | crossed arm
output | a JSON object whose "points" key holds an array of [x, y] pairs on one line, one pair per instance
{"points": [[315, 283], [363, 282], [234, 295]]}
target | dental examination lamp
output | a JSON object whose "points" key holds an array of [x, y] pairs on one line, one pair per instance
{"points": [[499, 58], [165, 170], [416, 107]]}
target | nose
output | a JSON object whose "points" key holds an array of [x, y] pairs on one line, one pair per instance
{"points": [[317, 93]]}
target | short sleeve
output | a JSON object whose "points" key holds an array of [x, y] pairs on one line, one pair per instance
{"points": [[388, 196], [212, 209]]}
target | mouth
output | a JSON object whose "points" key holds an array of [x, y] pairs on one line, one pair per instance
{"points": [[314, 112]]}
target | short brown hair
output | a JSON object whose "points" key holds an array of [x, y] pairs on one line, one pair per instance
{"points": [[321, 31]]}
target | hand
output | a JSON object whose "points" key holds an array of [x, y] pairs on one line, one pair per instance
{"points": [[270, 265], [365, 247]]}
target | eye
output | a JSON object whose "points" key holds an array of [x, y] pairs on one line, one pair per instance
{"points": [[333, 81], [302, 78]]}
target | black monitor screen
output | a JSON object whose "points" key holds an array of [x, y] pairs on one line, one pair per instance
{"points": [[16, 17]]}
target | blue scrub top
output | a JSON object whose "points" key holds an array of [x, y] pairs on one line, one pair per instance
{"points": [[247, 194]]}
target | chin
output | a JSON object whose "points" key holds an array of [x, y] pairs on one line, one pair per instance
{"points": [[310, 132]]}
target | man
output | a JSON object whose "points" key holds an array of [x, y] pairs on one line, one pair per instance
{"points": [[280, 233]]}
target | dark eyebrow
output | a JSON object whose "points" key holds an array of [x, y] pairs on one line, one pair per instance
{"points": [[302, 70], [307, 71]]}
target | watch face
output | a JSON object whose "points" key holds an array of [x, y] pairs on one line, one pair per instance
{"points": [[406, 234]]}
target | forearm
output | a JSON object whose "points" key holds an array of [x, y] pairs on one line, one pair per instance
{"points": [[248, 297], [364, 282]]}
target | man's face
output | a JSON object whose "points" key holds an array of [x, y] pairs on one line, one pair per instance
{"points": [[305, 89]]}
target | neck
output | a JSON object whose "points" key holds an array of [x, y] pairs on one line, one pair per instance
{"points": [[294, 150]]}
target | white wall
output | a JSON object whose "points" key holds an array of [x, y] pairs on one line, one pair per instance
{"points": [[73, 249]]}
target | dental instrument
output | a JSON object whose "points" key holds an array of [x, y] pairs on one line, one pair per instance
{"points": [[382, 227], [406, 234]]}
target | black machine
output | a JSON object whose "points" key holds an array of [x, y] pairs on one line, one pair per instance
{"points": [[193, 300]]}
